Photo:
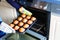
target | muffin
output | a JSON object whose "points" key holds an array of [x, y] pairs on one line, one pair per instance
{"points": [[16, 27], [20, 18], [26, 26], [23, 15], [16, 22], [28, 17], [25, 20], [21, 30], [20, 24], [12, 25], [33, 18], [30, 22]]}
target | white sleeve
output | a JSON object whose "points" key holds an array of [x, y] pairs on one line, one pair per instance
{"points": [[6, 28]]}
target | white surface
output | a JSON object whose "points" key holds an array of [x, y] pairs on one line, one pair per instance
{"points": [[55, 23], [57, 33], [7, 12], [52, 27]]}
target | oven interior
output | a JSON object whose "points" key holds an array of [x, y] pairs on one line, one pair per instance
{"points": [[42, 25]]}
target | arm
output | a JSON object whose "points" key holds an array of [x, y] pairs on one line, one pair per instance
{"points": [[5, 29], [19, 7]]}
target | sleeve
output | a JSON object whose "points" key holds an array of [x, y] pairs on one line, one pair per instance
{"points": [[2, 33], [14, 4]]}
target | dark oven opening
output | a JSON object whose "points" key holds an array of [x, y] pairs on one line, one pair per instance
{"points": [[42, 24]]}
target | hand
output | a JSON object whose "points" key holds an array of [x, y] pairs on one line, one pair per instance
{"points": [[23, 10]]}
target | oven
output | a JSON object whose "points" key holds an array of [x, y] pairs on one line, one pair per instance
{"points": [[40, 29]]}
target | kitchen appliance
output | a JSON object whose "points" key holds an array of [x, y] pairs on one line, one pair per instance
{"points": [[40, 29]]}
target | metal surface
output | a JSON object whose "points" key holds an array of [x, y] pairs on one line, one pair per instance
{"points": [[36, 35]]}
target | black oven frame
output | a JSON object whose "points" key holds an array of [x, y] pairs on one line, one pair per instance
{"points": [[48, 24]]}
